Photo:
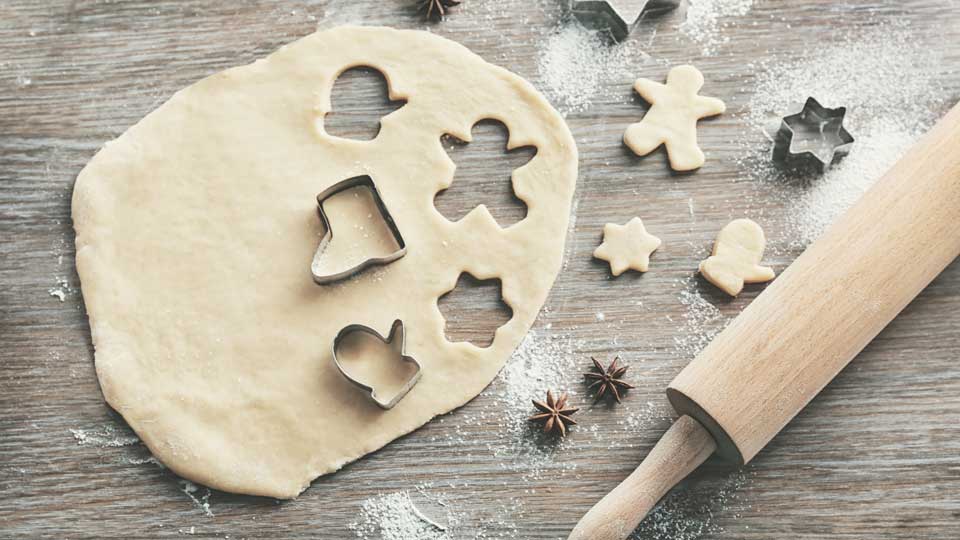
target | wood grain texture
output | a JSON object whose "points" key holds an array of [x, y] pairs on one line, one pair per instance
{"points": [[683, 448], [831, 302], [876, 455]]}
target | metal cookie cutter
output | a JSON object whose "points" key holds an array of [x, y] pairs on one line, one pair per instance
{"points": [[395, 330], [812, 138], [619, 17], [322, 278]]}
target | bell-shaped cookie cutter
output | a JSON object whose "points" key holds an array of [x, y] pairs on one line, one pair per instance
{"points": [[321, 278], [397, 331]]}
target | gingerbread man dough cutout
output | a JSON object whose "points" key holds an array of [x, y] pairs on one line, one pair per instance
{"points": [[736, 257], [672, 118], [627, 247]]}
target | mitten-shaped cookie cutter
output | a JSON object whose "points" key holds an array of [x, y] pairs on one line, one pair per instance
{"points": [[396, 332], [322, 278]]}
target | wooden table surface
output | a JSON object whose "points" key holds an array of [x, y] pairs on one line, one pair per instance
{"points": [[877, 455]]}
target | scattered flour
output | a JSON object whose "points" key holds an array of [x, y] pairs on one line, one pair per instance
{"points": [[702, 321], [888, 80], [542, 362], [105, 437], [689, 514], [393, 516], [202, 502], [706, 18], [578, 65], [62, 289], [879, 146], [885, 71]]}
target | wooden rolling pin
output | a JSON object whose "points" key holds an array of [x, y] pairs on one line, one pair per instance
{"points": [[803, 329]]}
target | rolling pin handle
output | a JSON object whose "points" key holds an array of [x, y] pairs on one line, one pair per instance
{"points": [[682, 449]]}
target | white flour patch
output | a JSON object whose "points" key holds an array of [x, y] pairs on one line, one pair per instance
{"points": [[105, 437], [878, 147], [888, 80], [577, 66], [393, 516], [707, 18], [702, 321]]}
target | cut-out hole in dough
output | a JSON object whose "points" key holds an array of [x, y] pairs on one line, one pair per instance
{"points": [[360, 232], [474, 310], [376, 363], [483, 174], [359, 99]]}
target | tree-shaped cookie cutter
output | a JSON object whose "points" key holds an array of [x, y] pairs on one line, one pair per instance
{"points": [[396, 332], [321, 278]]}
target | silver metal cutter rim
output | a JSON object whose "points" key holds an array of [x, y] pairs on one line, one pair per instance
{"points": [[609, 15], [783, 142], [363, 180], [395, 329]]}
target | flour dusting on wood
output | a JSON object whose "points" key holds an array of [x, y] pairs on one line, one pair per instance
{"points": [[886, 77]]}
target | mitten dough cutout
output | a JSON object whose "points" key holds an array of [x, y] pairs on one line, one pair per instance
{"points": [[196, 229], [736, 257]]}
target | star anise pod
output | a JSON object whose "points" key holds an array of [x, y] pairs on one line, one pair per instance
{"points": [[608, 381], [436, 9], [554, 414]]}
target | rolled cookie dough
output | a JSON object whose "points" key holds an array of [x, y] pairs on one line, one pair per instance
{"points": [[196, 229]]}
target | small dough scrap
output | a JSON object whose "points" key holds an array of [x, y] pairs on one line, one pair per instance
{"points": [[736, 257], [627, 247], [672, 118]]}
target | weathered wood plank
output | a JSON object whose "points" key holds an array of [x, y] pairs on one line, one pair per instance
{"points": [[877, 455]]}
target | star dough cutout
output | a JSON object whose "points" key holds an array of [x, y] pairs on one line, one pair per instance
{"points": [[627, 247], [675, 108]]}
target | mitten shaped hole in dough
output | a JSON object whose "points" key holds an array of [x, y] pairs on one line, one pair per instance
{"points": [[473, 310], [483, 174], [359, 99], [358, 231], [375, 363]]}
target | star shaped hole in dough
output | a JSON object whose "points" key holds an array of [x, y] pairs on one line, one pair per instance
{"points": [[484, 174], [627, 247], [672, 118]]}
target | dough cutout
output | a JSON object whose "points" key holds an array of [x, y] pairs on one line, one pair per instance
{"points": [[736, 257], [484, 174], [627, 247], [197, 226], [359, 119], [474, 310], [672, 118]]}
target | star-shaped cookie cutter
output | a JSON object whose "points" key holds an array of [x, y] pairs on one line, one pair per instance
{"points": [[322, 278], [396, 332], [831, 140], [619, 17]]}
